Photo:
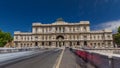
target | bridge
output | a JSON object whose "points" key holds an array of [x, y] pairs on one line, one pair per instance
{"points": [[38, 57]]}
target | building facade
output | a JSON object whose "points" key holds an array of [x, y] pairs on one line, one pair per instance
{"points": [[63, 34]]}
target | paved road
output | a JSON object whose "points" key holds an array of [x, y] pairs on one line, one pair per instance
{"points": [[70, 60], [48, 60], [45, 60]]}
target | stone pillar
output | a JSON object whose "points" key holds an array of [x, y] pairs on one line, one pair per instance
{"points": [[81, 28], [88, 29], [67, 29]]}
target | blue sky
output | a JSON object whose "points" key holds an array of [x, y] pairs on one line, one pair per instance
{"points": [[18, 15]]}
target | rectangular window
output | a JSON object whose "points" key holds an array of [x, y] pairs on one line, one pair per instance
{"points": [[108, 36]]}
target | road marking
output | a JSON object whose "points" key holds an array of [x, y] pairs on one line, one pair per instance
{"points": [[57, 65]]}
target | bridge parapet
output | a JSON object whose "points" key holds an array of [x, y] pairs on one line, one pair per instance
{"points": [[101, 58], [105, 50], [11, 50]]}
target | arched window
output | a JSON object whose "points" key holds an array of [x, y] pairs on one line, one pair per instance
{"points": [[42, 43], [60, 37], [78, 43], [36, 43], [90, 43], [49, 43], [94, 43], [27, 44], [85, 43], [98, 43]]}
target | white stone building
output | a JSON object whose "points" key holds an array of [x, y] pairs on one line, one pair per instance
{"points": [[63, 34]]}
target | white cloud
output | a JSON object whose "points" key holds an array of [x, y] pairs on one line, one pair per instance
{"points": [[113, 25]]}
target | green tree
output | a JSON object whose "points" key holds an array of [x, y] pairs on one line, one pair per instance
{"points": [[119, 29], [116, 37], [0, 30], [5, 37]]}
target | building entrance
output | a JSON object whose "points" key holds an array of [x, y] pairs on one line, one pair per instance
{"points": [[60, 41]]}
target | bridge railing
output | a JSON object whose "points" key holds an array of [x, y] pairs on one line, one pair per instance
{"points": [[105, 50], [10, 50], [100, 58]]}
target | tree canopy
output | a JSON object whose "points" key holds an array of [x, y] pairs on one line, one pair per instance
{"points": [[116, 37], [119, 29], [5, 37]]}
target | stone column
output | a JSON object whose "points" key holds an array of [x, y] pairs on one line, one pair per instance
{"points": [[81, 28]]}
